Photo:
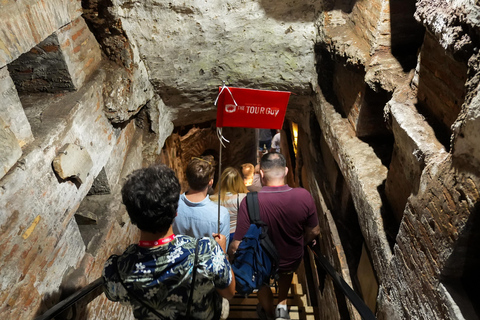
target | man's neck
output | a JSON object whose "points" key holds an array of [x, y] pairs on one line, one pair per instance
{"points": [[274, 183], [149, 236], [196, 195]]}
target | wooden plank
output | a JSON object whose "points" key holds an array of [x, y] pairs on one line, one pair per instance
{"points": [[242, 307]]}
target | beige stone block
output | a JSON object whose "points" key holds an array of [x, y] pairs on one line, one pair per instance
{"points": [[10, 150], [23, 24], [73, 161], [80, 50], [11, 110]]}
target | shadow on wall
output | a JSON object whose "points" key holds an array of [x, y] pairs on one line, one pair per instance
{"points": [[302, 11], [78, 311], [460, 274], [441, 88], [391, 224], [406, 33]]}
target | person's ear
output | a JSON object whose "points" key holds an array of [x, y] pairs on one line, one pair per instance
{"points": [[210, 183], [286, 171], [262, 174]]}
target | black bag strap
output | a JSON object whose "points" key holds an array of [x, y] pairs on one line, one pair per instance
{"points": [[152, 310], [254, 208], [254, 214], [195, 265], [131, 293]]}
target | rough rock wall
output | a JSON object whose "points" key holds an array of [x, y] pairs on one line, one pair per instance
{"points": [[372, 134], [417, 204], [189, 48], [66, 125]]}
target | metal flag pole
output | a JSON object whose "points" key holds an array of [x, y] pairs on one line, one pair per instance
{"points": [[221, 138], [219, 184]]}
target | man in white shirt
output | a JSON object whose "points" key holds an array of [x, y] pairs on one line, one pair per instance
{"points": [[276, 142]]}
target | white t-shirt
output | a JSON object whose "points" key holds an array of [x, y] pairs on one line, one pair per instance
{"points": [[276, 142]]}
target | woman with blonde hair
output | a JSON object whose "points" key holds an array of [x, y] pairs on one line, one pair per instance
{"points": [[232, 192]]}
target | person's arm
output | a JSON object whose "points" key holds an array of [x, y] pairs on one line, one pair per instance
{"points": [[229, 291], [233, 248], [221, 240], [311, 234], [225, 224], [243, 223]]}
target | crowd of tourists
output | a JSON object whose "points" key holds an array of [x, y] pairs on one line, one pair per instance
{"points": [[181, 268]]}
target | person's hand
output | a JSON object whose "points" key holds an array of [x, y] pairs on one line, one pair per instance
{"points": [[221, 240]]}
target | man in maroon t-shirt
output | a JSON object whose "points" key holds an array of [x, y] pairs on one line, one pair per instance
{"points": [[292, 221]]}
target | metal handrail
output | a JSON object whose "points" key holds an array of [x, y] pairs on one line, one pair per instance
{"points": [[71, 300], [356, 301]]}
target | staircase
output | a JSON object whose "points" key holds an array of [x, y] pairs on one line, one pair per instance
{"points": [[245, 308]]}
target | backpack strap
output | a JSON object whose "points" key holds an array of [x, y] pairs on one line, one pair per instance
{"points": [[254, 214], [253, 208], [190, 297]]}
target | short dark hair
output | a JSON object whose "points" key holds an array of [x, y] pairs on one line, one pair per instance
{"points": [[272, 160], [200, 170], [151, 198]]}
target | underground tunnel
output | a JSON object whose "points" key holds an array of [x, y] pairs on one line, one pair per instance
{"points": [[380, 128]]}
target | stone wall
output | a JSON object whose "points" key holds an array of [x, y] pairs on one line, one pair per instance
{"points": [[384, 96], [59, 137], [417, 205]]}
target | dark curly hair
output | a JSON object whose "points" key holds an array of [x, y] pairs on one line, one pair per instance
{"points": [[200, 170], [151, 197]]}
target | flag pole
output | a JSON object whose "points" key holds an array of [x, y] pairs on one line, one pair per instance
{"points": [[220, 138], [219, 183]]}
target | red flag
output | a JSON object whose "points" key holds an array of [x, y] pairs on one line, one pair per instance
{"points": [[264, 109]]}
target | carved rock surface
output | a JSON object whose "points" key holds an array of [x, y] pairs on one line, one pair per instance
{"points": [[189, 48], [10, 151], [74, 161]]}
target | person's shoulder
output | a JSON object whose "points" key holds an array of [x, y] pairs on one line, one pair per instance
{"points": [[224, 210], [301, 191], [206, 244], [209, 202], [129, 254], [182, 198], [181, 239]]}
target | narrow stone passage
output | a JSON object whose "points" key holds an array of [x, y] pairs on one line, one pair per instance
{"points": [[382, 128]]}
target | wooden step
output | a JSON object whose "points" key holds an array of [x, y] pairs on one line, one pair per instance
{"points": [[242, 307]]}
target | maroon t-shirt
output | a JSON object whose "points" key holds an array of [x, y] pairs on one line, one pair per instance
{"points": [[286, 211]]}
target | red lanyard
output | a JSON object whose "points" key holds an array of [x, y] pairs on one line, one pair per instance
{"points": [[158, 242]]}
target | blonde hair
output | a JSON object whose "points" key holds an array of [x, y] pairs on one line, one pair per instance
{"points": [[247, 170], [230, 181]]}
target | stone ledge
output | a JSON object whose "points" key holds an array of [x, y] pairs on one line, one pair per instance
{"points": [[364, 174], [10, 150], [26, 23]]}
